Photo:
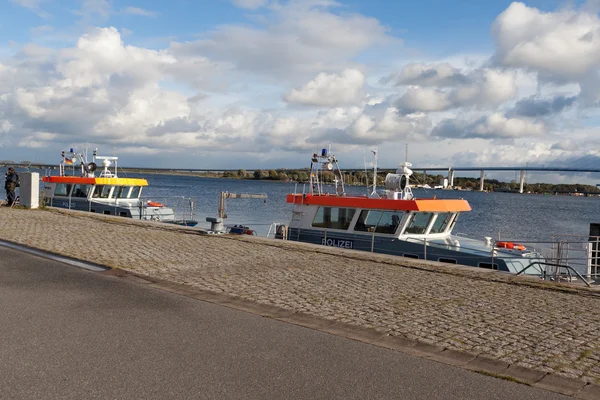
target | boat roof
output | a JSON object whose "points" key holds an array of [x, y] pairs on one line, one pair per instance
{"points": [[423, 205], [95, 181]]}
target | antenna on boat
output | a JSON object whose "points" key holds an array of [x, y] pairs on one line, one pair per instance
{"points": [[31, 162], [325, 161], [366, 176], [375, 154]]}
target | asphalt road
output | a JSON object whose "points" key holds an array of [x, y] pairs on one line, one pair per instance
{"points": [[68, 333]]}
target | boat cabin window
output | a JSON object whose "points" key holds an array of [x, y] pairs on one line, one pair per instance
{"points": [[453, 221], [441, 222], [102, 191], [487, 265], [389, 221], [447, 260], [333, 217], [418, 223], [121, 192], [378, 221], [81, 191], [135, 192], [62, 189]]}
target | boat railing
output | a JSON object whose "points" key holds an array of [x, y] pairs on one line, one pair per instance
{"points": [[558, 272], [564, 258], [184, 208]]}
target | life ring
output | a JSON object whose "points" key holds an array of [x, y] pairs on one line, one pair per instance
{"points": [[510, 246], [155, 204]]}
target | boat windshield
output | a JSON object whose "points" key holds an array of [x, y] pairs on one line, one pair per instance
{"points": [[441, 222], [102, 191], [121, 192], [419, 223], [135, 192], [81, 191]]}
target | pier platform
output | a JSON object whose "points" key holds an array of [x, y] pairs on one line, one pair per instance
{"points": [[536, 332]]}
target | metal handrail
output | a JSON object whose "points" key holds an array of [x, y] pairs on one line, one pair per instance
{"points": [[554, 265]]}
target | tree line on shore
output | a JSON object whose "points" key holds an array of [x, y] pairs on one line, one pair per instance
{"points": [[359, 177]]}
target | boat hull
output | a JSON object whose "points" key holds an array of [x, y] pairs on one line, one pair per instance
{"points": [[511, 263], [127, 210]]}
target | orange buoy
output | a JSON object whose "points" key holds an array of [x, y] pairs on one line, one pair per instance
{"points": [[510, 246], [155, 204]]}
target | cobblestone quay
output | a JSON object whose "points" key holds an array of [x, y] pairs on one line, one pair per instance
{"points": [[521, 321]]}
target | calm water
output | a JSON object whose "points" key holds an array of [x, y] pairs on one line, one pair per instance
{"points": [[515, 216]]}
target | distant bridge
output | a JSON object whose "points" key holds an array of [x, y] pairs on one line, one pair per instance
{"points": [[451, 170], [522, 170], [538, 169]]}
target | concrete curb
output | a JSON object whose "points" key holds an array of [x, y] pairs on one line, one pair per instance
{"points": [[462, 359], [54, 256], [589, 392], [560, 384]]}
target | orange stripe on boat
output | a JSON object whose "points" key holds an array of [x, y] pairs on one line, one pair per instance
{"points": [[430, 205], [95, 181]]}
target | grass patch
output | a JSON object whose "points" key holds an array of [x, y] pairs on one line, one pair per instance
{"points": [[584, 354], [503, 377]]}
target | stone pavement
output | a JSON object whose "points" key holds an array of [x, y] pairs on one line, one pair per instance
{"points": [[517, 320]]}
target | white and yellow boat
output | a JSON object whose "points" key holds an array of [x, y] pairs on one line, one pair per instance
{"points": [[104, 194]]}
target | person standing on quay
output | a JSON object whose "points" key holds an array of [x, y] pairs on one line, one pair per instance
{"points": [[11, 180]]}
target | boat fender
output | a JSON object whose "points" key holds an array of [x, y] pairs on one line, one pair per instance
{"points": [[510, 246], [155, 204]]}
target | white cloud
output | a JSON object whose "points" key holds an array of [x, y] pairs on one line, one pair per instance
{"points": [[138, 11], [481, 88], [420, 74], [5, 126], [504, 154], [250, 4], [298, 40], [99, 89], [41, 30], [424, 99], [33, 5], [492, 126], [330, 89], [104, 91], [370, 125], [568, 145], [92, 9], [562, 45], [539, 107]]}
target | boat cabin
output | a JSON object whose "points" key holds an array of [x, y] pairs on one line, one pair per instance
{"points": [[59, 189], [106, 194], [380, 217]]}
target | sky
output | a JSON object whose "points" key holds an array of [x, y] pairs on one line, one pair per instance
{"points": [[265, 83]]}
